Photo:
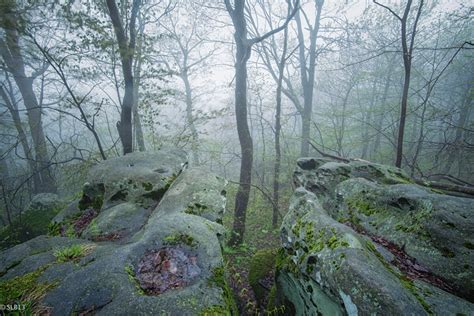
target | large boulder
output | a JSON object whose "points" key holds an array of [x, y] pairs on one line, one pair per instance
{"points": [[360, 238], [131, 245]]}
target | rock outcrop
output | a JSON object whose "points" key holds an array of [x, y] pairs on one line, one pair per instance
{"points": [[361, 239], [142, 240]]}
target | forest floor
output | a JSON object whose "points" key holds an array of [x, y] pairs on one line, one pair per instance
{"points": [[259, 235]]}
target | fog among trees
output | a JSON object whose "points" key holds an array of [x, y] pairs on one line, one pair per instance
{"points": [[245, 87]]}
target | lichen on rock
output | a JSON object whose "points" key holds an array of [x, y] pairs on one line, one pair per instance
{"points": [[128, 246], [367, 240]]}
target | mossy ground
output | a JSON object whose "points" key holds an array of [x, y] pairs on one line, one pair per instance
{"points": [[29, 225], [259, 235], [25, 291]]}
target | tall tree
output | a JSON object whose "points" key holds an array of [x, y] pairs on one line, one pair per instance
{"points": [[126, 49], [307, 62], [11, 53], [408, 41], [244, 45]]}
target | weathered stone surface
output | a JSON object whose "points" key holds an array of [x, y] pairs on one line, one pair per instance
{"points": [[360, 239], [133, 246]]}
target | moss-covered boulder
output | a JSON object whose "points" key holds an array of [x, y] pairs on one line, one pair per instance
{"points": [[128, 255], [33, 221], [361, 239], [261, 275]]}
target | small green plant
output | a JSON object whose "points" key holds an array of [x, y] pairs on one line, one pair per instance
{"points": [[54, 229], [25, 290], [177, 239], [72, 253], [132, 277]]}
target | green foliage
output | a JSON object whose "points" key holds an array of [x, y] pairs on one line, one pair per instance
{"points": [[132, 277], [218, 279], [72, 253], [31, 224], [261, 264], [178, 239], [25, 290]]}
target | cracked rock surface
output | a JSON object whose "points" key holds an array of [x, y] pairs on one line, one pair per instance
{"points": [[131, 245], [361, 239]]}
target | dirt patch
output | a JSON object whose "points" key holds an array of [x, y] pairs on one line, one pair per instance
{"points": [[165, 269]]}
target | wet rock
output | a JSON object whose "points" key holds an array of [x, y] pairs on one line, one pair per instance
{"points": [[165, 269], [360, 238], [147, 253]]}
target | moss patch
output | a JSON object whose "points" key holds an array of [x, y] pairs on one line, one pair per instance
{"points": [[31, 224], [261, 265], [132, 277], [180, 239], [25, 290], [218, 279]]}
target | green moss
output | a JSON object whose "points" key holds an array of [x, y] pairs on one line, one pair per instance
{"points": [[72, 253], [25, 290], [215, 310], [196, 209], [32, 223], [218, 279], [132, 277], [261, 264], [95, 202], [147, 186], [410, 286], [284, 262], [413, 221], [362, 205], [469, 245], [407, 283], [178, 239]]}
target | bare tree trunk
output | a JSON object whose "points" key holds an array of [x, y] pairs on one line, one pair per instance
{"points": [[460, 127], [307, 74], [13, 109], [277, 166], [407, 49], [381, 103], [190, 117], [137, 124], [243, 50], [11, 53], [126, 49]]}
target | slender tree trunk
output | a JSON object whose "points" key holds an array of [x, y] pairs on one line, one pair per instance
{"points": [[190, 117], [381, 104], [307, 75], [126, 49], [464, 115], [13, 58], [277, 166], [246, 144], [243, 50], [12, 108], [137, 124]]}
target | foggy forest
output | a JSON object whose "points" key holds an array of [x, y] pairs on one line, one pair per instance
{"points": [[236, 157]]}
